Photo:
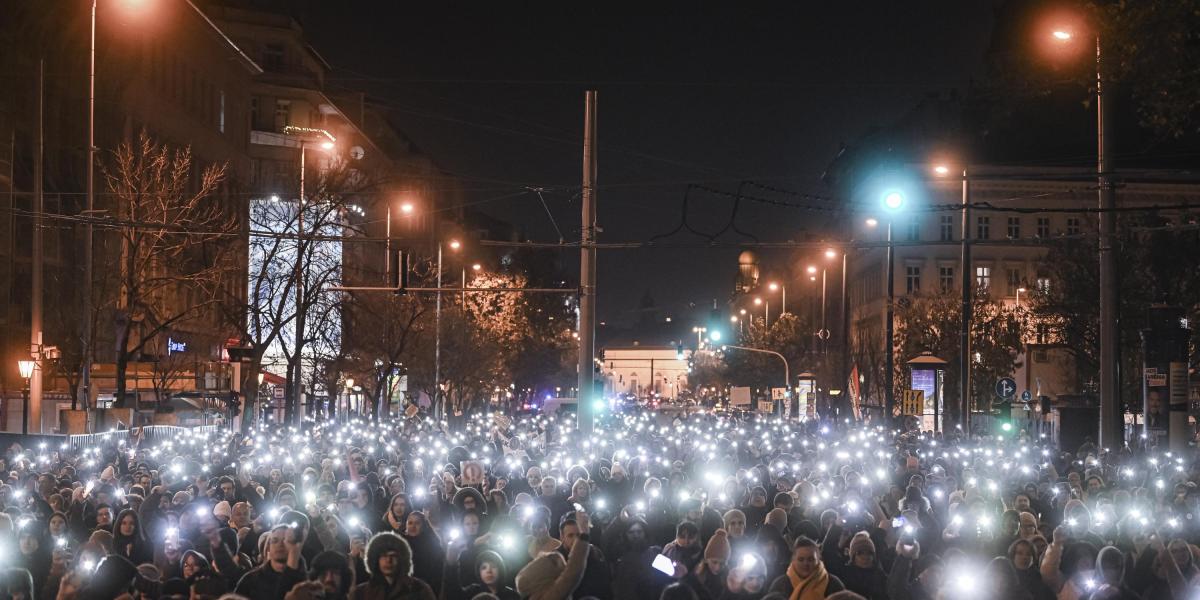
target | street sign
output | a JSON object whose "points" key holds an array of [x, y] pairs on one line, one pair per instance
{"points": [[1006, 388], [1026, 396], [778, 393], [766, 406]]}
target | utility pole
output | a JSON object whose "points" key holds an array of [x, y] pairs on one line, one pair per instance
{"points": [[1110, 409], [35, 304], [964, 333], [587, 271], [85, 379]]}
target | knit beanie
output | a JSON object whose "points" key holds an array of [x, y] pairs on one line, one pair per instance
{"points": [[718, 546], [777, 518], [222, 509], [861, 541]]}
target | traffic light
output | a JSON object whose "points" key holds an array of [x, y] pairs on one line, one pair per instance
{"points": [[716, 326], [399, 275]]}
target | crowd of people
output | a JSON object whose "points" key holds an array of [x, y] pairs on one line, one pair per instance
{"points": [[701, 507]]}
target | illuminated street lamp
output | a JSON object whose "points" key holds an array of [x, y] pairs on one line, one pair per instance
{"points": [[783, 295], [1111, 434], [893, 202], [26, 369]]}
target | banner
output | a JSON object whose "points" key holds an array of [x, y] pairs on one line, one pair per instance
{"points": [[853, 390]]}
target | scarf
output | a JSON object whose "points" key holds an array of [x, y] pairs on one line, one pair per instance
{"points": [[810, 588]]}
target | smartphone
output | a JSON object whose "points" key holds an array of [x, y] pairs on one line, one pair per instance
{"points": [[578, 507], [898, 522], [664, 565]]}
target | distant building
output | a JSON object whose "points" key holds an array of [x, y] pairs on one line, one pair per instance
{"points": [[645, 371]]}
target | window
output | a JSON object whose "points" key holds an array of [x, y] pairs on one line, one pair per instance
{"points": [[253, 113], [283, 110], [1043, 284], [1014, 281], [947, 227], [273, 57], [983, 228], [1014, 228], [1072, 225], [946, 278], [983, 278], [221, 111], [914, 231], [912, 279], [1043, 227]]}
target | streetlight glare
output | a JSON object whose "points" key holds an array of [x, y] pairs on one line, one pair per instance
{"points": [[773, 286], [893, 200], [758, 301], [407, 208], [830, 253], [942, 170], [733, 319], [811, 269], [715, 336], [477, 266], [1062, 35], [455, 245], [872, 222], [327, 145]]}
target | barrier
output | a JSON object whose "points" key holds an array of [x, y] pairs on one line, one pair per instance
{"points": [[151, 434]]}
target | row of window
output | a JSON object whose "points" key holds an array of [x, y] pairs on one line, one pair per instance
{"points": [[1014, 280], [185, 84], [983, 228]]}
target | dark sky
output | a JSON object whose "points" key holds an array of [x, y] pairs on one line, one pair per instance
{"points": [[765, 90]]}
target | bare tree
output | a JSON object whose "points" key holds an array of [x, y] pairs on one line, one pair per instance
{"points": [[177, 244], [266, 317]]}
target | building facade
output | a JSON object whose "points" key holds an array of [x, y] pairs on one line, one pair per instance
{"points": [[645, 371]]}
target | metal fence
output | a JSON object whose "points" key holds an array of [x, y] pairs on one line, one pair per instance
{"points": [[151, 434]]}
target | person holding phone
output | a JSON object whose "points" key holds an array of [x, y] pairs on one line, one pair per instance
{"points": [[549, 577]]}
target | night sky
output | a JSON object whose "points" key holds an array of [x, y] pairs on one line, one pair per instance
{"points": [[765, 90]]}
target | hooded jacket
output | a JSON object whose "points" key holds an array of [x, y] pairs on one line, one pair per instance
{"points": [[403, 586]]}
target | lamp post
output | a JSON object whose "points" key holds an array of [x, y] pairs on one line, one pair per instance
{"points": [[26, 368], [893, 201], [325, 140], [766, 311], [1110, 419], [968, 308], [439, 403], [782, 288]]}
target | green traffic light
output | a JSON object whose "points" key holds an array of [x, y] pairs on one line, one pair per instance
{"points": [[715, 336]]}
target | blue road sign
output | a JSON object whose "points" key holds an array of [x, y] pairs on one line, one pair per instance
{"points": [[1026, 396], [1006, 388]]}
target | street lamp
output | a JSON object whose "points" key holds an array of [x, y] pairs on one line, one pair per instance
{"points": [[437, 325], [1020, 290], [964, 332], [26, 369], [782, 288], [766, 310], [324, 141], [1110, 419], [893, 202]]}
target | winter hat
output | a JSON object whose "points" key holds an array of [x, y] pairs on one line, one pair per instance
{"points": [[222, 510], [181, 498], [149, 572], [536, 578], [861, 541], [107, 474], [777, 518], [718, 546], [332, 561]]}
